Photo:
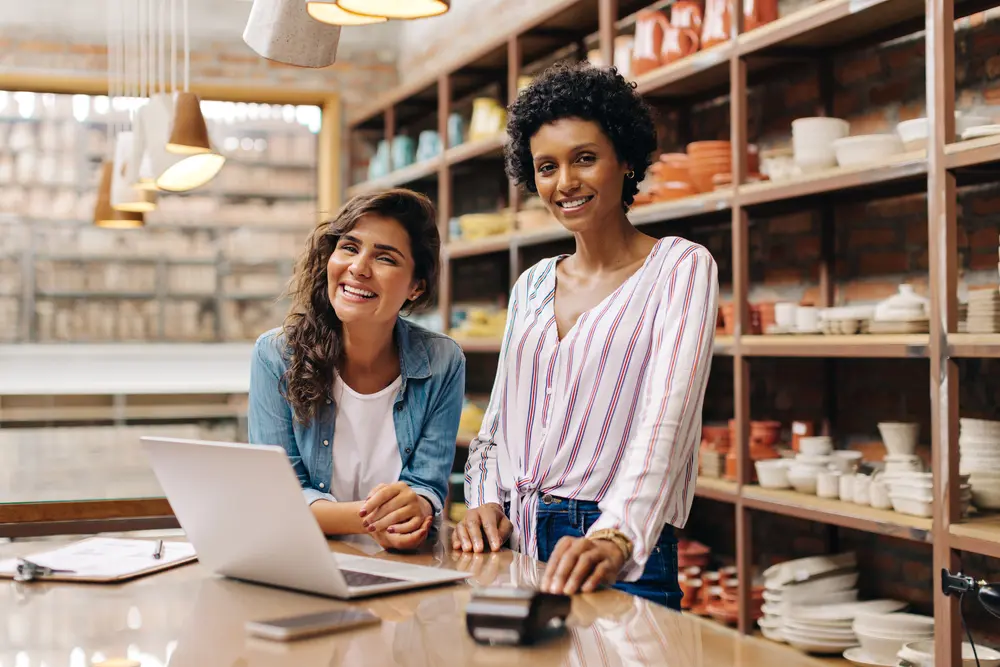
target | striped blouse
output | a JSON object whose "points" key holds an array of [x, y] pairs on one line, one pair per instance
{"points": [[612, 412]]}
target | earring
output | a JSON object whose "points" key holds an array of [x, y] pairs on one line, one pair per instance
{"points": [[630, 175]]}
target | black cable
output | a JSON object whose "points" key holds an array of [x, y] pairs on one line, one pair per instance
{"points": [[961, 614]]}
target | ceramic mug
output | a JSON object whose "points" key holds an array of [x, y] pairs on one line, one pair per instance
{"points": [[828, 484], [784, 314], [847, 488], [806, 318], [878, 494], [862, 489]]}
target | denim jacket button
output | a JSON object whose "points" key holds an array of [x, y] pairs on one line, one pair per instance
{"points": [[399, 407], [326, 443], [322, 485], [408, 450]]}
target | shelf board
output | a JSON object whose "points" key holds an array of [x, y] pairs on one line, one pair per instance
{"points": [[485, 246], [838, 513], [974, 345], [717, 489], [724, 346], [980, 535], [829, 23], [703, 204], [973, 152], [696, 73], [93, 294], [820, 345], [902, 167], [414, 172], [486, 345], [471, 150]]}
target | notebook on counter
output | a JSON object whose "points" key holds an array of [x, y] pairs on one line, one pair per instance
{"points": [[102, 560]]}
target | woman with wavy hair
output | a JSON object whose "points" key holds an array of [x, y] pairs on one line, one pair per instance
{"points": [[587, 454], [366, 404]]}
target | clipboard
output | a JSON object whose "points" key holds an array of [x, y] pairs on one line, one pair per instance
{"points": [[101, 560]]}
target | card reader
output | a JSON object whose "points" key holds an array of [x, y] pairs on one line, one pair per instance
{"points": [[515, 616]]}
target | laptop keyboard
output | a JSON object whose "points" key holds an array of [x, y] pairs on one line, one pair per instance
{"points": [[357, 579]]}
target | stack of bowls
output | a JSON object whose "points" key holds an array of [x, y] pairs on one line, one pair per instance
{"points": [[708, 158], [913, 492], [882, 636], [979, 448], [900, 440], [827, 627], [812, 142]]}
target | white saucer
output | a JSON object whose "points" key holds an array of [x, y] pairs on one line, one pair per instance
{"points": [[858, 656]]}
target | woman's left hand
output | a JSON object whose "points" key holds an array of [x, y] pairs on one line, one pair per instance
{"points": [[394, 508], [579, 564]]}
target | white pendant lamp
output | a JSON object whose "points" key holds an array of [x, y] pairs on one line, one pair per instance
{"points": [[283, 31], [397, 9], [124, 196], [328, 11], [188, 138]]}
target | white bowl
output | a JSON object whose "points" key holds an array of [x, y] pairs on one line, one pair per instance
{"points": [[900, 438], [866, 149], [772, 473], [803, 482], [883, 647], [921, 654], [816, 445]]}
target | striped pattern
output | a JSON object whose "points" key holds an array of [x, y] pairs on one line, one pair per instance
{"points": [[612, 413]]}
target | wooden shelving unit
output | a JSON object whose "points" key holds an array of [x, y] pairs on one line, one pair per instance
{"points": [[815, 33]]}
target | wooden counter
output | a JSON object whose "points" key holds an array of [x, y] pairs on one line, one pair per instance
{"points": [[187, 617]]}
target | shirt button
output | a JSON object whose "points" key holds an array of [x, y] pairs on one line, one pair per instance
{"points": [[328, 401], [548, 390], [326, 443], [408, 450], [322, 485], [399, 407]]}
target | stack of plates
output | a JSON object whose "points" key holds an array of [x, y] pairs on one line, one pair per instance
{"points": [[828, 628], [984, 311], [979, 448], [816, 580]]}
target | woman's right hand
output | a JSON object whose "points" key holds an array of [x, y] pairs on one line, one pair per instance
{"points": [[488, 520]]}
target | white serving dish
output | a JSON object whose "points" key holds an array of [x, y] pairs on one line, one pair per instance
{"points": [[866, 149], [795, 594], [803, 569], [810, 645], [846, 611], [900, 622]]}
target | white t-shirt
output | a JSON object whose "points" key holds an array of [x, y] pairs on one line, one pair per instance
{"points": [[365, 450]]}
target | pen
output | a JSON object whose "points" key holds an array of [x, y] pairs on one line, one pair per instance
{"points": [[158, 553]]}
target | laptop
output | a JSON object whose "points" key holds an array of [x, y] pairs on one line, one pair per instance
{"points": [[242, 509]]}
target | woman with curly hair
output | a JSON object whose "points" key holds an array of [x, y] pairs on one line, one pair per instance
{"points": [[365, 403], [587, 454]]}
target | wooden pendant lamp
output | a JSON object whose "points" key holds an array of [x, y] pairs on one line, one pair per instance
{"points": [[397, 9]]}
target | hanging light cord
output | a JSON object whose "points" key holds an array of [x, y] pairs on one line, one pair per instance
{"points": [[961, 614]]}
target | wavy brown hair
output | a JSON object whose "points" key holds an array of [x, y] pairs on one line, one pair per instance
{"points": [[312, 329]]}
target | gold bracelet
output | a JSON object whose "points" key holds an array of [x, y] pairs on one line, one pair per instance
{"points": [[616, 537]]}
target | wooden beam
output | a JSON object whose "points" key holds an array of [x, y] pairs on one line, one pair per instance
{"points": [[515, 58], [331, 151], [607, 13]]}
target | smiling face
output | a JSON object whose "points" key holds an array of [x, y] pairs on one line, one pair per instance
{"points": [[371, 272], [577, 173]]}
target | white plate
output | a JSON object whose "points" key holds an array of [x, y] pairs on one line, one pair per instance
{"points": [[809, 645], [857, 656], [845, 611]]}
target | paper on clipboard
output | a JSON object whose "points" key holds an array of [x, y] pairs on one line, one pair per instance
{"points": [[105, 559]]}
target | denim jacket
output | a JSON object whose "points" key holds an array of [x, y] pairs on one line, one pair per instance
{"points": [[426, 412]]}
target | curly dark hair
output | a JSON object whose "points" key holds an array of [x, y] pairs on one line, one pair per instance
{"points": [[312, 329], [597, 94]]}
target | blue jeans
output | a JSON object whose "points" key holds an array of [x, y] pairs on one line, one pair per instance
{"points": [[558, 517]]}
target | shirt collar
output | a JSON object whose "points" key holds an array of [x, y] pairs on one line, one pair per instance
{"points": [[413, 359]]}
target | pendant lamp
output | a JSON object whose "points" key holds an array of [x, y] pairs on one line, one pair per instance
{"points": [[283, 31], [189, 135], [104, 215], [125, 173], [397, 9], [328, 11]]}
